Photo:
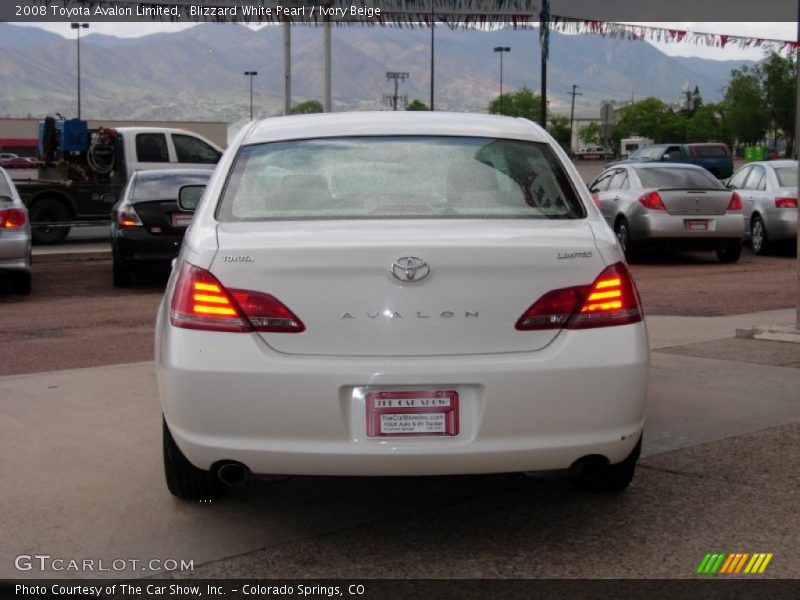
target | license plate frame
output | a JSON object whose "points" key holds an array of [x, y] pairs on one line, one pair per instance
{"points": [[696, 224], [390, 413]]}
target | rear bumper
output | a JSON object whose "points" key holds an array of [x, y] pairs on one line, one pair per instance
{"points": [[230, 397], [781, 224], [15, 251], [138, 245], [665, 229]]}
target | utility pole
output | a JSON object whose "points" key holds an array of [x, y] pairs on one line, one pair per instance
{"points": [[397, 77], [78, 27], [433, 29], [287, 67], [502, 50], [328, 104], [251, 74], [573, 93], [544, 42]]}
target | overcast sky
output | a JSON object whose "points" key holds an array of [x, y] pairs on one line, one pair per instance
{"points": [[782, 31]]}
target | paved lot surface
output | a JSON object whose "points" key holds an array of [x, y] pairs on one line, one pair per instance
{"points": [[83, 454]]}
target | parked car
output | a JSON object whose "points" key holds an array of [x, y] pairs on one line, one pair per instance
{"points": [[715, 157], [20, 162], [398, 293], [768, 193], [146, 226], [594, 153], [15, 238], [676, 205], [7, 156]]}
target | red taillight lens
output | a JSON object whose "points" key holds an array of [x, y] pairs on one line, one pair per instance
{"points": [[200, 301], [12, 218], [127, 217], [735, 203], [652, 201], [611, 300], [785, 202]]}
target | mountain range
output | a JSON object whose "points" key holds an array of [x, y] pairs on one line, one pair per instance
{"points": [[197, 73]]}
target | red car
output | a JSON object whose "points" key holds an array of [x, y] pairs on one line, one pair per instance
{"points": [[21, 162]]}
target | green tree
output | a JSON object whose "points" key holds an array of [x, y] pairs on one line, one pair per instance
{"points": [[651, 118], [558, 127], [704, 125], [308, 107], [522, 103], [417, 105], [591, 134], [778, 77], [746, 114]]}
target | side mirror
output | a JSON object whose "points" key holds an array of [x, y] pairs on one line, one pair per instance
{"points": [[189, 197]]}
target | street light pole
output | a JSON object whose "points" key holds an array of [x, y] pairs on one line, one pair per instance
{"points": [[573, 93], [78, 27], [502, 50], [251, 74]]}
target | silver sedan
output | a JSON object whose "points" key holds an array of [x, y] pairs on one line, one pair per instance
{"points": [[768, 192], [15, 238], [674, 205]]}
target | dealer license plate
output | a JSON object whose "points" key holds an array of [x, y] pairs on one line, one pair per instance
{"points": [[415, 412]]}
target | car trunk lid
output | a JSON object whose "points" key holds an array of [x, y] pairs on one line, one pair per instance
{"points": [[345, 280], [695, 202]]}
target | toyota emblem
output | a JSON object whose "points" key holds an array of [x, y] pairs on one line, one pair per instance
{"points": [[410, 268]]}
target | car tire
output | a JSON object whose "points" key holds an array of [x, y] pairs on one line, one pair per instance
{"points": [[609, 478], [121, 275], [184, 480], [729, 254], [622, 230], [49, 210], [758, 236], [21, 284]]}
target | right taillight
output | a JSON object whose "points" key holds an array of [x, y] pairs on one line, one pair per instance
{"points": [[735, 202], [611, 300], [652, 200], [785, 202], [12, 218], [200, 301]]}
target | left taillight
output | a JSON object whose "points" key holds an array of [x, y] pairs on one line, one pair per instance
{"points": [[11, 218], [127, 217], [200, 301], [735, 202], [611, 300]]}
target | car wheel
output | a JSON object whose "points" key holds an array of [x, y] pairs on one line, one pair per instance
{"points": [[121, 274], [729, 254], [49, 210], [609, 478], [184, 480], [758, 236], [21, 284], [623, 232]]}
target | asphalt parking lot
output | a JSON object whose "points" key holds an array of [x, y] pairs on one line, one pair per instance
{"points": [[719, 471]]}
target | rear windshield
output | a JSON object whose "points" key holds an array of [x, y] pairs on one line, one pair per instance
{"points": [[654, 152], [787, 176], [710, 151], [398, 177], [678, 178], [164, 187]]}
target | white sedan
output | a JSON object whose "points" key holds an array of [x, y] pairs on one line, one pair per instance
{"points": [[398, 294]]}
